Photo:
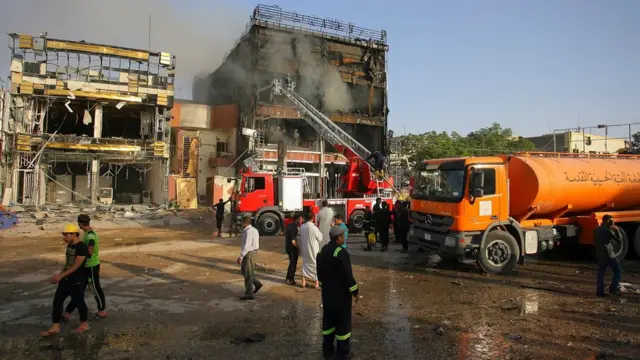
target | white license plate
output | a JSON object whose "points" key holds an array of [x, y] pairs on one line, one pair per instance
{"points": [[449, 242], [427, 236]]}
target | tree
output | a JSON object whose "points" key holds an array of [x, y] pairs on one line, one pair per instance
{"points": [[635, 143], [487, 141]]}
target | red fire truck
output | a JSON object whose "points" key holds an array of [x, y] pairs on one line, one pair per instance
{"points": [[272, 199]]}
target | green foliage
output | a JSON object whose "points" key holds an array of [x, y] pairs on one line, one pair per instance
{"points": [[489, 141]]}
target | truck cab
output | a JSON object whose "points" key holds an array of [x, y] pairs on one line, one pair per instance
{"points": [[256, 191], [269, 199], [453, 204]]}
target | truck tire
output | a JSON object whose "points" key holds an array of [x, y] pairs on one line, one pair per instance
{"points": [[269, 224], [499, 253], [356, 221], [621, 251]]}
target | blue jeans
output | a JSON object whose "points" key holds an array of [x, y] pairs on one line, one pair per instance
{"points": [[615, 281]]}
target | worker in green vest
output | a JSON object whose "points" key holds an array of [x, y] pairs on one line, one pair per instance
{"points": [[92, 268]]}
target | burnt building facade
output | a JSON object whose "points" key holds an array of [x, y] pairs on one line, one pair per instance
{"points": [[86, 122], [338, 67]]}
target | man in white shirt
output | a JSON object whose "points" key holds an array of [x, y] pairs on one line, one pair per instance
{"points": [[247, 259]]}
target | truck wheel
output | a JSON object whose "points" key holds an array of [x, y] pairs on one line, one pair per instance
{"points": [[621, 249], [356, 221], [499, 253], [269, 224]]}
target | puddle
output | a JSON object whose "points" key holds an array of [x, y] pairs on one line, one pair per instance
{"points": [[398, 340], [480, 342]]}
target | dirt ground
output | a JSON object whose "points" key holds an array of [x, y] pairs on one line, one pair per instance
{"points": [[173, 294]]}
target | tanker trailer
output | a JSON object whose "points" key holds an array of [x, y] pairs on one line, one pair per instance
{"points": [[496, 210]]}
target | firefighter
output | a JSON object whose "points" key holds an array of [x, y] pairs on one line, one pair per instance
{"points": [[368, 226], [338, 287], [379, 160]]}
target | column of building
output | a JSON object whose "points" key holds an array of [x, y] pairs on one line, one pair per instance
{"points": [[95, 161]]}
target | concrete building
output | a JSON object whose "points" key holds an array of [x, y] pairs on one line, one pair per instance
{"points": [[338, 67], [579, 142], [87, 122], [204, 142]]}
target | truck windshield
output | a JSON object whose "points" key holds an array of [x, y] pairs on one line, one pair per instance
{"points": [[436, 184]]}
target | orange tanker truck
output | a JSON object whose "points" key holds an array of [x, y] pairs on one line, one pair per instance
{"points": [[496, 210]]}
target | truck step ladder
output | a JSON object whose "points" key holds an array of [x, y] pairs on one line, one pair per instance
{"points": [[329, 130]]}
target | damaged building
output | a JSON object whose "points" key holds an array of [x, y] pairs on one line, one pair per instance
{"points": [[338, 67], [86, 123]]}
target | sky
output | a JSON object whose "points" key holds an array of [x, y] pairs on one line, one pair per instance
{"points": [[455, 65]]}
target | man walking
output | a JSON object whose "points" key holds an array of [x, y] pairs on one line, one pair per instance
{"points": [[71, 281], [293, 248], [605, 235], [247, 259], [91, 268], [338, 288]]}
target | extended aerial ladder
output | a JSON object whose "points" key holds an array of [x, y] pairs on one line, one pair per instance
{"points": [[329, 130]]}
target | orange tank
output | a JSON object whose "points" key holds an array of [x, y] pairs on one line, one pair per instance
{"points": [[587, 184]]}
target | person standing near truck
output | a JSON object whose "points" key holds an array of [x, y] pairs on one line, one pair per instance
{"points": [[368, 227], [291, 236], [219, 212], [338, 289], [605, 235], [383, 218], [339, 222]]}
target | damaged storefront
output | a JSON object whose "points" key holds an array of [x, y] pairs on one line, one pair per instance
{"points": [[90, 123]]}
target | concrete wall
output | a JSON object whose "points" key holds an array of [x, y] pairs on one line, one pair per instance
{"points": [[208, 141], [191, 115], [154, 182]]}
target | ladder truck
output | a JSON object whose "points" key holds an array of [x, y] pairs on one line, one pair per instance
{"points": [[272, 200]]}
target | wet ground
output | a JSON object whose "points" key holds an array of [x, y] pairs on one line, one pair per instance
{"points": [[172, 294]]}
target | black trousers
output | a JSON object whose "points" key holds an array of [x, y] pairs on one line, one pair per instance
{"points": [[93, 282], [384, 236], [219, 221], [293, 253], [73, 289], [401, 235], [336, 325]]}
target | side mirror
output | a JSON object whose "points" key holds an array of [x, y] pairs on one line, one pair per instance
{"points": [[477, 184], [477, 180]]}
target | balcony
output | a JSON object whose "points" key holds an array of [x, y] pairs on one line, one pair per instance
{"points": [[221, 159]]}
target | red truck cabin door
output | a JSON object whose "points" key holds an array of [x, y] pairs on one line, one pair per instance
{"points": [[256, 193]]}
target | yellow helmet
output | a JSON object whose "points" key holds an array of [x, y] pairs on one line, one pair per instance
{"points": [[71, 228], [371, 239]]}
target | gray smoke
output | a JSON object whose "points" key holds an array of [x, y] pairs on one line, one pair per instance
{"points": [[199, 33], [318, 78]]}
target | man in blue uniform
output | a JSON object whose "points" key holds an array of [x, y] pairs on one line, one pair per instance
{"points": [[338, 288]]}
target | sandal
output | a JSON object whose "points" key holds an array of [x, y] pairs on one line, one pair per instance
{"points": [[97, 316], [80, 329], [48, 333]]}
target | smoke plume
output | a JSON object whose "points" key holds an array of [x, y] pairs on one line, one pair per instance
{"points": [[199, 33], [318, 79]]}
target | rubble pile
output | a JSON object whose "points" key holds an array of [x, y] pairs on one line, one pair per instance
{"points": [[51, 217]]}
